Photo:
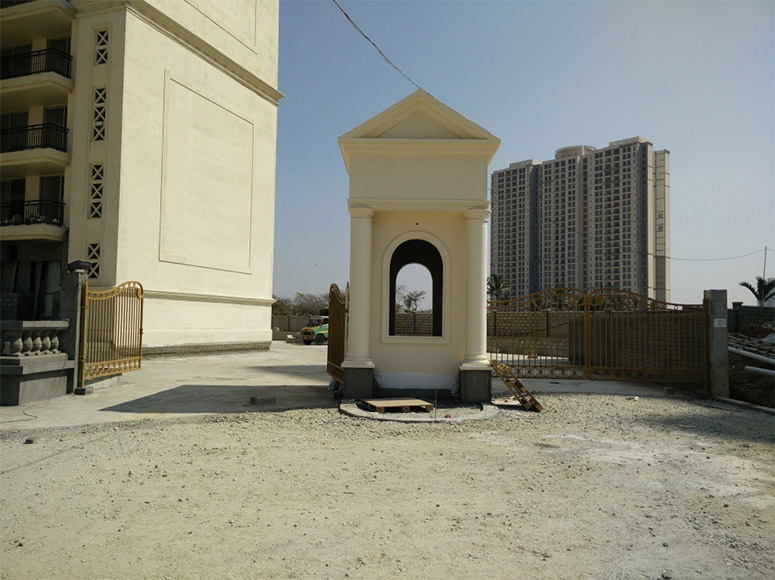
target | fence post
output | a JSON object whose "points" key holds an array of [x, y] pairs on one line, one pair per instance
{"points": [[735, 326], [70, 309], [718, 355], [81, 388]]}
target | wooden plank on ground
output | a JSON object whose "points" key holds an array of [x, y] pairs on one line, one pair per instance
{"points": [[506, 402], [403, 403]]}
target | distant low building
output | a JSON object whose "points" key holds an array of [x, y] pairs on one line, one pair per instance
{"points": [[589, 218], [140, 136]]}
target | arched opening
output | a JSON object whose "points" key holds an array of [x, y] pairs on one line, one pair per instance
{"points": [[414, 304], [425, 254]]}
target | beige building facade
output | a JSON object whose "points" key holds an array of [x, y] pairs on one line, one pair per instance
{"points": [[589, 218], [150, 153]]}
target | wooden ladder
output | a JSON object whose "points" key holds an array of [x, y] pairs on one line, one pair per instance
{"points": [[525, 397]]}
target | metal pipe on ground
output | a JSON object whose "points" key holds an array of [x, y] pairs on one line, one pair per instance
{"points": [[758, 371], [751, 355]]}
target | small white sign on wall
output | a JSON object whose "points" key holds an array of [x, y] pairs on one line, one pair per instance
{"points": [[720, 322]]}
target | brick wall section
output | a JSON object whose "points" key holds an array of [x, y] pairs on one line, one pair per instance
{"points": [[531, 324], [739, 316], [289, 323], [533, 346], [414, 323], [544, 333]]}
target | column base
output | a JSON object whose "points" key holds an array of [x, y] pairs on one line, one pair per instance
{"points": [[475, 386], [358, 383]]}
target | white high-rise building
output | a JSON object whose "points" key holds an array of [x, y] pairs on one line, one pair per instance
{"points": [[589, 218]]}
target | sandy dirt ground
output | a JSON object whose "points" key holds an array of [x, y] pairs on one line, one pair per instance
{"points": [[596, 486]]}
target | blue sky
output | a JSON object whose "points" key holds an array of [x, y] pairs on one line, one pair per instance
{"points": [[695, 78]]}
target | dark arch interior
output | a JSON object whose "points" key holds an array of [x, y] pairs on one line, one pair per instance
{"points": [[425, 254]]}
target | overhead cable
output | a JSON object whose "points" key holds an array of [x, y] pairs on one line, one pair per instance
{"points": [[382, 54], [711, 259]]}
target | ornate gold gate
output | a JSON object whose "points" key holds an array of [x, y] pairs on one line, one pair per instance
{"points": [[606, 334], [337, 330], [112, 331]]}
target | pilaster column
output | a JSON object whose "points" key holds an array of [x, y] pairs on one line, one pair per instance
{"points": [[476, 289], [360, 289]]}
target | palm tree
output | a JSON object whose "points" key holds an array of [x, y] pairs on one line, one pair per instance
{"points": [[411, 300], [765, 289], [498, 287]]}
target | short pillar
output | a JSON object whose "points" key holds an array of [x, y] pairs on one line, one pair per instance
{"points": [[357, 365], [718, 354], [475, 379]]}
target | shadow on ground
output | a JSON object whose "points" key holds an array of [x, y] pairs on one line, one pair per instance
{"points": [[726, 425], [293, 370], [229, 399]]}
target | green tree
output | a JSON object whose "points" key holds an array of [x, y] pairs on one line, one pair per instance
{"points": [[498, 288], [410, 301], [764, 290], [309, 303], [282, 306]]}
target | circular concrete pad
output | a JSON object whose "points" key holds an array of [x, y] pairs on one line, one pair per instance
{"points": [[438, 415]]}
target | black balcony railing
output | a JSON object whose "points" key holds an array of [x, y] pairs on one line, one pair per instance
{"points": [[32, 212], [38, 61], [34, 137]]}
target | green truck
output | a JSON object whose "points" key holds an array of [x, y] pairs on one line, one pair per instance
{"points": [[316, 330]]}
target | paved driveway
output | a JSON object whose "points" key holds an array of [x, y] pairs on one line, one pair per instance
{"points": [[288, 376]]}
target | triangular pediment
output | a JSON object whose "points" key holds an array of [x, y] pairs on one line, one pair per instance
{"points": [[419, 116], [419, 126]]}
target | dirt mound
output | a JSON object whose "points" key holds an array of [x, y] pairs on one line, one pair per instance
{"points": [[757, 331]]}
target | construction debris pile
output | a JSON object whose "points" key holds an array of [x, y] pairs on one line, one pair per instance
{"points": [[751, 362]]}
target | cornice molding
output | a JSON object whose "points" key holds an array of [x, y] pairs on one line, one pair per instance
{"points": [[180, 34], [359, 211], [187, 296], [477, 214], [32, 9], [454, 206]]}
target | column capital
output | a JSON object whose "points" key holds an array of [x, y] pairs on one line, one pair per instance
{"points": [[477, 214], [360, 211]]}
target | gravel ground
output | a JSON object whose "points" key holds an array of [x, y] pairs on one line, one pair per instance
{"points": [[597, 486]]}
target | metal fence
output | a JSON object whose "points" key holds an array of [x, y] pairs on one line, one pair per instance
{"points": [[337, 331], [606, 334], [112, 331]]}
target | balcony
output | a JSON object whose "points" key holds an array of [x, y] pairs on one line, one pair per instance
{"points": [[36, 62], [44, 136], [40, 78], [32, 220], [32, 212], [40, 149]]}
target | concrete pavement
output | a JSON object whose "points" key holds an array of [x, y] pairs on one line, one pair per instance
{"points": [[288, 376]]}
